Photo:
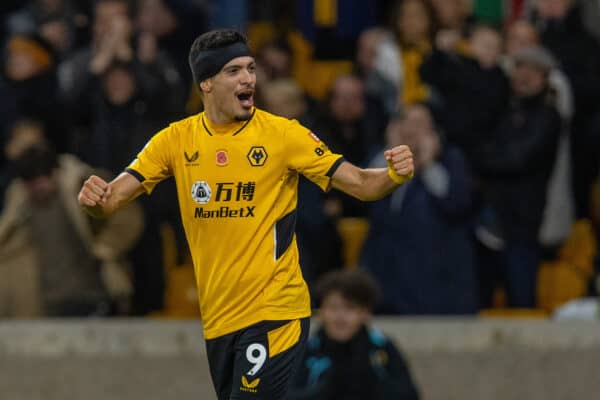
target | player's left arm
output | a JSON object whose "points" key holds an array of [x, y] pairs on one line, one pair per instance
{"points": [[375, 183]]}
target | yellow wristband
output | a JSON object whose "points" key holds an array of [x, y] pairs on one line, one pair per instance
{"points": [[398, 179]]}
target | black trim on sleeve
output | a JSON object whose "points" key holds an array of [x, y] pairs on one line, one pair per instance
{"points": [[335, 166], [284, 233], [135, 174]]}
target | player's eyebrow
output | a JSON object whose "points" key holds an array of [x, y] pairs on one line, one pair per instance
{"points": [[239, 65]]}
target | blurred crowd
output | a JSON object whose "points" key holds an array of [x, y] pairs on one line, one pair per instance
{"points": [[498, 99]]}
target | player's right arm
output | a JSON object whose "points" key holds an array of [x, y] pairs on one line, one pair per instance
{"points": [[100, 198], [153, 164]]}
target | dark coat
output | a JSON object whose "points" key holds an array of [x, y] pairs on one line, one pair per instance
{"points": [[369, 366], [422, 253], [109, 137], [516, 163], [467, 98], [579, 55], [36, 98], [355, 141]]}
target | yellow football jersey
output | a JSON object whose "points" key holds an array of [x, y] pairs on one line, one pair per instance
{"points": [[237, 190]]}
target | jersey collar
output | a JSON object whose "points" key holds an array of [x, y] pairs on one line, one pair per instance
{"points": [[213, 133]]}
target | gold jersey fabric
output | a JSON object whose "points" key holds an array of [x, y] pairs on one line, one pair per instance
{"points": [[237, 190]]}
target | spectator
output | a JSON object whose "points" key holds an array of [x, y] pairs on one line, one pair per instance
{"points": [[56, 260], [347, 358], [285, 98], [398, 61], [351, 122], [59, 31], [24, 133], [485, 46], [559, 214], [112, 32], [470, 90], [430, 212], [455, 20], [520, 34], [113, 42], [27, 18], [274, 61], [122, 111], [120, 91], [453, 15], [591, 15], [377, 85], [350, 126], [282, 96], [63, 23], [563, 33], [515, 164], [171, 26], [29, 88]]}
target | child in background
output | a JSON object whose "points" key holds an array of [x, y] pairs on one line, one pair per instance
{"points": [[347, 358]]}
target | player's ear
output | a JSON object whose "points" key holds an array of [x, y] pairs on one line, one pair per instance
{"points": [[206, 85]]}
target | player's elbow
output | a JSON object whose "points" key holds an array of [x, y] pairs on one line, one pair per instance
{"points": [[371, 196], [368, 189], [367, 193]]}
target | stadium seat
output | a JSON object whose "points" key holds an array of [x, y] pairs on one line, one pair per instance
{"points": [[316, 77], [567, 277], [353, 232], [181, 293]]}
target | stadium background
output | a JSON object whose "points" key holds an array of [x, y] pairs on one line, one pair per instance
{"points": [[65, 67]]}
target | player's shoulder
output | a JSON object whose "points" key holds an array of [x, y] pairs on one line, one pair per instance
{"points": [[178, 130], [277, 124], [278, 121], [185, 123]]}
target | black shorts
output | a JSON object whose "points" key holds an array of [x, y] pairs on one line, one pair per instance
{"points": [[257, 362]]}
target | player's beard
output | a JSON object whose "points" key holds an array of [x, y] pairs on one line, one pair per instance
{"points": [[243, 117]]}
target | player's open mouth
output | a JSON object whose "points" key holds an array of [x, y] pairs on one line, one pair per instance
{"points": [[246, 98]]}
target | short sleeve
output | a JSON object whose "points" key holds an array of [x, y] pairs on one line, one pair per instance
{"points": [[310, 156], [153, 163]]}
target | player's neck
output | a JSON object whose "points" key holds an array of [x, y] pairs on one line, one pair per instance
{"points": [[216, 118], [220, 124]]}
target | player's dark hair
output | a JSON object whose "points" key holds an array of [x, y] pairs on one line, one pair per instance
{"points": [[216, 39], [355, 286], [38, 160]]}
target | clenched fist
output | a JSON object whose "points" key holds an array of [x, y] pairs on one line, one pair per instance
{"points": [[400, 160], [95, 191]]}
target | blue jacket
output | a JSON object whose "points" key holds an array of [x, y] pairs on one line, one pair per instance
{"points": [[368, 366], [420, 246]]}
